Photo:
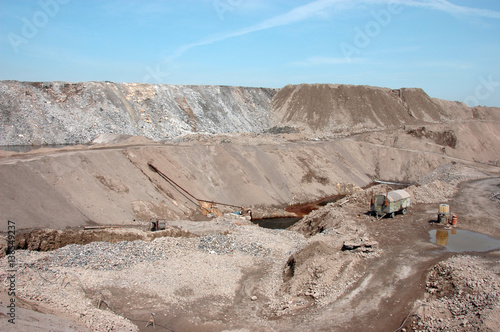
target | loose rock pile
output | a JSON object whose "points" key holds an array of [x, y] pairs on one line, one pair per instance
{"points": [[104, 255], [432, 192], [73, 278], [462, 295], [452, 174], [441, 184], [226, 244]]}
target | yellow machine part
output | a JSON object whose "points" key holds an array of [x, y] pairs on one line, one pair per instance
{"points": [[207, 208]]}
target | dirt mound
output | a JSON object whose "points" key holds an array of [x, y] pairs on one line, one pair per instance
{"points": [[432, 192], [463, 294], [452, 173], [312, 273], [353, 109], [335, 219], [297, 260], [457, 111], [445, 138], [486, 113], [441, 184], [66, 113], [320, 273]]}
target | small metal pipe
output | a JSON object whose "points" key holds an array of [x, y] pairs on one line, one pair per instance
{"points": [[187, 192]]}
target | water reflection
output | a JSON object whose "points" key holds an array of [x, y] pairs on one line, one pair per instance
{"points": [[459, 240], [442, 237], [276, 223]]}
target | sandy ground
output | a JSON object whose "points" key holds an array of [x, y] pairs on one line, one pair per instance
{"points": [[338, 269], [235, 276]]}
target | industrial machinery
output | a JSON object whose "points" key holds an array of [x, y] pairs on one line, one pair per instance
{"points": [[208, 208], [157, 225], [390, 203]]}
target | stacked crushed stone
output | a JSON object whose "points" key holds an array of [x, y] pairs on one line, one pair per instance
{"points": [[156, 111], [453, 174], [441, 184], [463, 294], [227, 244], [432, 192], [102, 255]]}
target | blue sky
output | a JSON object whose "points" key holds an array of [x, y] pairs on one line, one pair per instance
{"points": [[450, 48]]}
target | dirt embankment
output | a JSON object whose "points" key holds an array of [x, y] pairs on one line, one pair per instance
{"points": [[327, 108], [116, 186], [68, 113], [113, 185], [51, 239], [110, 182]]}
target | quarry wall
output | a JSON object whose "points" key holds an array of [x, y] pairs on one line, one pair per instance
{"points": [[293, 145], [35, 113], [66, 113]]}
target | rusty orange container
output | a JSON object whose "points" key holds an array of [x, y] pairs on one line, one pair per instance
{"points": [[454, 220]]}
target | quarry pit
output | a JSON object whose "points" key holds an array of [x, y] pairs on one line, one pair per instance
{"points": [[86, 259]]}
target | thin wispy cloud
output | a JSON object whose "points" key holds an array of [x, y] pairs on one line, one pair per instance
{"points": [[298, 14], [318, 9], [320, 61], [450, 8]]}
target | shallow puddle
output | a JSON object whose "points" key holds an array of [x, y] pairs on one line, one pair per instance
{"points": [[459, 240], [276, 223]]}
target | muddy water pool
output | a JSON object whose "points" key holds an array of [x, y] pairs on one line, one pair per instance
{"points": [[460, 240]]}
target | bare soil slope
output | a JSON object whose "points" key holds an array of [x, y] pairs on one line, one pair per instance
{"points": [[328, 108], [337, 269]]}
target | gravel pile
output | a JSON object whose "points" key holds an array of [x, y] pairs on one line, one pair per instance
{"points": [[227, 244], [102, 255], [452, 174], [67, 113], [462, 295], [432, 192], [441, 184]]}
